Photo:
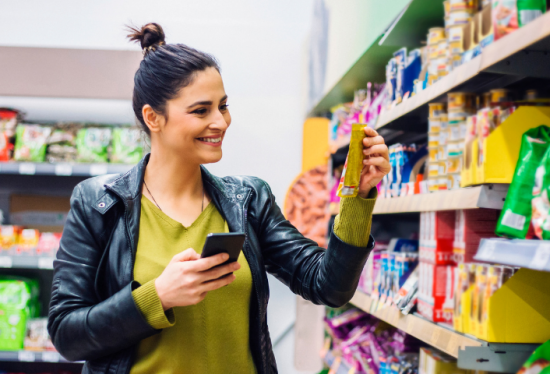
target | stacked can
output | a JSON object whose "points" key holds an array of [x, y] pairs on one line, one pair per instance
{"points": [[438, 54], [460, 106], [437, 140], [458, 13]]}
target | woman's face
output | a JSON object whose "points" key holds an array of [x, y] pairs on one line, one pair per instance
{"points": [[196, 121]]}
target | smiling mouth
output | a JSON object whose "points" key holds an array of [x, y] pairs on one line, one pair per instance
{"points": [[211, 140]]}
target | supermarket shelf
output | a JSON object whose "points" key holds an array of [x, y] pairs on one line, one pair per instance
{"points": [[26, 262], [409, 29], [79, 170], [521, 53], [485, 196], [532, 254], [32, 356], [440, 337]]}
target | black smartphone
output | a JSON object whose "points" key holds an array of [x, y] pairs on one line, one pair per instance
{"points": [[230, 243]]}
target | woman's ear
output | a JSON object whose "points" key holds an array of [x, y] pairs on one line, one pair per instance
{"points": [[153, 120]]}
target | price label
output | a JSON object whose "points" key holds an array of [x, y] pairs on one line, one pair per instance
{"points": [[541, 257], [6, 262], [45, 262], [26, 356], [27, 168], [50, 356], [63, 169], [98, 169], [489, 247]]}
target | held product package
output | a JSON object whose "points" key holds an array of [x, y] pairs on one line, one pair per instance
{"points": [[30, 142], [351, 176], [92, 144], [127, 147], [516, 214]]}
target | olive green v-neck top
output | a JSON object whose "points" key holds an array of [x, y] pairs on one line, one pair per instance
{"points": [[213, 336], [209, 337]]}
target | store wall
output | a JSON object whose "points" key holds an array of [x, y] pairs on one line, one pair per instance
{"points": [[353, 26], [260, 46]]}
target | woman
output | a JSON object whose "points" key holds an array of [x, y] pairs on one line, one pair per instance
{"points": [[130, 292]]}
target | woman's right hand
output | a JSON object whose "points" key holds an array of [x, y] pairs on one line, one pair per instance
{"points": [[188, 277]]}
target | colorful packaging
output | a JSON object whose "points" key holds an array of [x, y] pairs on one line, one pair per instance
{"points": [[528, 10], [37, 337], [28, 241], [9, 237], [351, 176], [30, 142], [538, 362], [517, 211], [48, 244], [505, 17], [127, 147], [92, 144]]}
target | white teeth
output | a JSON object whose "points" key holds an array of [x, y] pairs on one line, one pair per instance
{"points": [[211, 140]]}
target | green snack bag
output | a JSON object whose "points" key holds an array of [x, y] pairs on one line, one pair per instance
{"points": [[127, 147], [15, 297], [528, 10], [92, 144], [540, 202], [516, 214], [538, 362], [30, 142]]}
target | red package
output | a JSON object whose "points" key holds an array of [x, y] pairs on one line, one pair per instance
{"points": [[471, 226], [48, 244], [437, 231], [436, 292]]}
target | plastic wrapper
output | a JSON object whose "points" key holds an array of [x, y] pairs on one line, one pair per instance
{"points": [[538, 362], [37, 337], [62, 143], [92, 144], [127, 146], [540, 202], [30, 142], [351, 176], [517, 211]]}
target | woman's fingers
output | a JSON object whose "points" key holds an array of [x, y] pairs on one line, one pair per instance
{"points": [[370, 132], [377, 161], [370, 141], [188, 255], [376, 151], [218, 283], [219, 271], [207, 263]]}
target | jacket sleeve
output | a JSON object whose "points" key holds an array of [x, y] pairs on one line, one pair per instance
{"points": [[324, 276], [82, 325]]}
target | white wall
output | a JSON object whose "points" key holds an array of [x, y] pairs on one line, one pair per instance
{"points": [[260, 47]]}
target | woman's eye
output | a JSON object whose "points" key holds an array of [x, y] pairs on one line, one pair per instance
{"points": [[223, 107], [201, 111]]}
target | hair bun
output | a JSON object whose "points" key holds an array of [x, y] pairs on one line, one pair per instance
{"points": [[149, 36]]}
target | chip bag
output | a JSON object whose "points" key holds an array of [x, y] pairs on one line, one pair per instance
{"points": [[92, 144], [538, 362], [30, 142], [351, 175], [127, 145], [517, 211]]}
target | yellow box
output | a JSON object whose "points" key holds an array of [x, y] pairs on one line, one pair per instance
{"points": [[501, 148]]}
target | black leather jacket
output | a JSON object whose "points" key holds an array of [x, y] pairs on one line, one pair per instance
{"points": [[92, 314]]}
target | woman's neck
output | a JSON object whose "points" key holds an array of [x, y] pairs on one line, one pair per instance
{"points": [[170, 178]]}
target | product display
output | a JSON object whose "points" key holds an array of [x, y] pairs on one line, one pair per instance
{"points": [[16, 241]]}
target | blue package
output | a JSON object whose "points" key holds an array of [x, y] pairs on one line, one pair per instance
{"points": [[403, 245]]}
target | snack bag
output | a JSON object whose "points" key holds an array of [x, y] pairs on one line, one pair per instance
{"points": [[517, 211], [505, 17], [127, 146], [538, 362], [30, 142], [92, 144], [540, 202], [351, 175], [528, 10]]}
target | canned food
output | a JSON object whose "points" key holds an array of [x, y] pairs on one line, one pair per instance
{"points": [[434, 125], [436, 34], [460, 100], [436, 110], [433, 152], [500, 95]]}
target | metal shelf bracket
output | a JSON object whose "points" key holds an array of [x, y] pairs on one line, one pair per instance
{"points": [[495, 357]]}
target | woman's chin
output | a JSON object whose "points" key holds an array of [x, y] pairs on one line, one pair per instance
{"points": [[212, 159]]}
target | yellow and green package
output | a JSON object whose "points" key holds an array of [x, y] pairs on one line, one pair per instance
{"points": [[351, 175], [30, 142], [538, 362], [92, 144], [127, 146], [516, 214], [18, 303]]}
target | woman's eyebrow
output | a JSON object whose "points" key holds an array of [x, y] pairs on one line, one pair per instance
{"points": [[206, 102]]}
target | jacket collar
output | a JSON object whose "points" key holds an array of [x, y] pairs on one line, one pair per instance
{"points": [[129, 185]]}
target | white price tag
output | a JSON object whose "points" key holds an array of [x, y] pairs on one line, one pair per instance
{"points": [[63, 169], [6, 262], [541, 257], [27, 168], [26, 356], [98, 169], [489, 247], [45, 263], [50, 356]]}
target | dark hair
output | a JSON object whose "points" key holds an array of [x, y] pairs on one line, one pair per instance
{"points": [[164, 70]]}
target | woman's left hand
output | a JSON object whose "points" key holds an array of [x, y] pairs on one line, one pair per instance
{"points": [[376, 162]]}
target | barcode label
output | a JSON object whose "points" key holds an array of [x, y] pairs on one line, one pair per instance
{"points": [[513, 220], [26, 356], [526, 16], [27, 169], [63, 169]]}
